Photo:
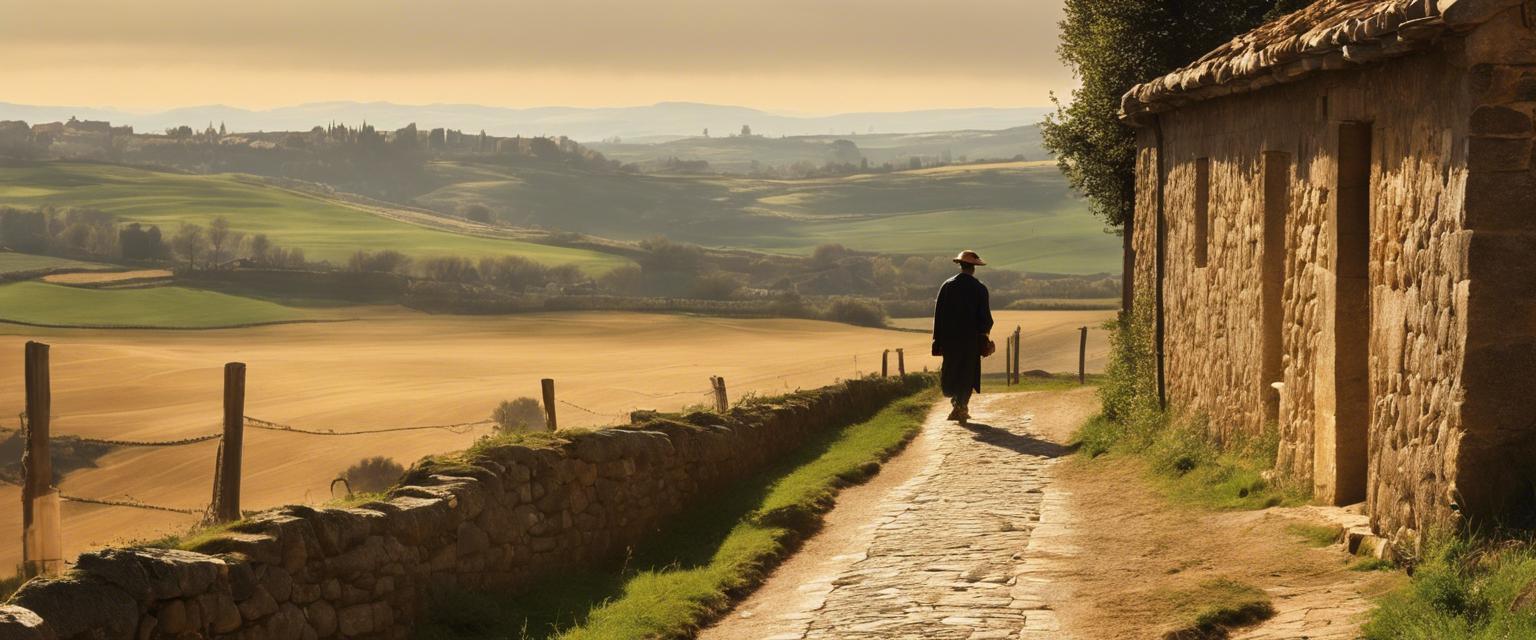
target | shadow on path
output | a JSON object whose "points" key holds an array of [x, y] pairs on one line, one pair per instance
{"points": [[1027, 445]]}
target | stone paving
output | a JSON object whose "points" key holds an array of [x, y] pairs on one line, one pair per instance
{"points": [[943, 559]]}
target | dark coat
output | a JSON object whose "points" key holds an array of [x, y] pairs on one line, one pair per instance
{"points": [[961, 317]]}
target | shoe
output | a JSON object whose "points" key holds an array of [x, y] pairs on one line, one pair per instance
{"points": [[965, 416], [955, 415]]}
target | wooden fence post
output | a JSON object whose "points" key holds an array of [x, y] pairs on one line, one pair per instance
{"points": [[226, 505], [885, 363], [1018, 345], [1082, 356], [40, 550], [549, 404], [901, 362], [1008, 361], [722, 399]]}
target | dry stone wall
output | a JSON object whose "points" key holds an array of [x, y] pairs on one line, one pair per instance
{"points": [[498, 516]]}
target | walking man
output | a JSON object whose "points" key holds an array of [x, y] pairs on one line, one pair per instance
{"points": [[962, 318]]}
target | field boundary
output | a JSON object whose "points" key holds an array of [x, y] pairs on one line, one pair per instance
{"points": [[136, 327]]}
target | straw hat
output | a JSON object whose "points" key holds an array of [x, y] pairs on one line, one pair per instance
{"points": [[969, 257]]}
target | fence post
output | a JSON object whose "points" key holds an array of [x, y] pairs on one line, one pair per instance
{"points": [[227, 506], [549, 404], [1008, 360], [1018, 345], [40, 550], [885, 363], [901, 362], [722, 400], [1082, 356]]}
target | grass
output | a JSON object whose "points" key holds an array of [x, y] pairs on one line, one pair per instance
{"points": [[324, 229], [157, 307], [1463, 588], [8, 586], [691, 571], [1020, 216], [11, 262], [1189, 467], [997, 382], [1208, 609], [1315, 535]]}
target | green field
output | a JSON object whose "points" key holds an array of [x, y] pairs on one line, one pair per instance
{"points": [[1018, 215], [324, 229], [19, 262], [167, 307]]}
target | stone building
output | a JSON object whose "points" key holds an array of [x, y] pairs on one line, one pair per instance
{"points": [[1335, 234]]}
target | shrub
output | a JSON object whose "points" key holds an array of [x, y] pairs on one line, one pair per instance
{"points": [[715, 286], [522, 414], [864, 313], [372, 475]]}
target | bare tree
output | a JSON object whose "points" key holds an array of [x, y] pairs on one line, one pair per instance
{"points": [[218, 236], [188, 243]]}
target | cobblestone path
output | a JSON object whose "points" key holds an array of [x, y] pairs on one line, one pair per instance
{"points": [[943, 557]]}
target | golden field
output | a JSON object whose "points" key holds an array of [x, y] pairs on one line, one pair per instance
{"points": [[400, 368]]}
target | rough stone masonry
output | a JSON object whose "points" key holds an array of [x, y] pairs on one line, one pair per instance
{"points": [[497, 517], [1334, 228]]}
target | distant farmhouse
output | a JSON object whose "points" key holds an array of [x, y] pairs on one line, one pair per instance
{"points": [[1335, 234]]}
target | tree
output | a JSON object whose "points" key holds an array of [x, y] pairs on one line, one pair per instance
{"points": [[218, 238], [188, 243], [386, 261], [260, 247], [746, 130], [1113, 45]]}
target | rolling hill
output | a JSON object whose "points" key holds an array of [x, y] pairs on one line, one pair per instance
{"points": [[1021, 215], [744, 154], [324, 229]]}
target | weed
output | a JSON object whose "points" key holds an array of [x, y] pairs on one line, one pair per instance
{"points": [[1316, 535], [1216, 605], [1463, 587]]}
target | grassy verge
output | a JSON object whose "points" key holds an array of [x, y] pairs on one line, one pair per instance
{"points": [[1187, 463], [1211, 607], [997, 382], [690, 573], [1463, 588], [1190, 467], [1315, 535]]}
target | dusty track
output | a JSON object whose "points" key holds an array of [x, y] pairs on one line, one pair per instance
{"points": [[989, 532], [391, 368]]}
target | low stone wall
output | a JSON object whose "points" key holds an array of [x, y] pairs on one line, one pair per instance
{"points": [[497, 516]]}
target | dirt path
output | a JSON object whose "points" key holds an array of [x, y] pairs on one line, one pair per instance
{"points": [[989, 531]]}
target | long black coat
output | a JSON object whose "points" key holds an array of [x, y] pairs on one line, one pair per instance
{"points": [[962, 315]]}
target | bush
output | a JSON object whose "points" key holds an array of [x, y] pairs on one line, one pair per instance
{"points": [[522, 414], [864, 313], [715, 286], [372, 475], [1463, 587]]}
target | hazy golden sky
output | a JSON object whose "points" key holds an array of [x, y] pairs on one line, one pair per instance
{"points": [[807, 55]]}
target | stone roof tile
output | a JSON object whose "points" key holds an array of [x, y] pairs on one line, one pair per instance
{"points": [[1328, 35]]}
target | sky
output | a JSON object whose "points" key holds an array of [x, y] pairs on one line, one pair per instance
{"points": [[806, 56]]}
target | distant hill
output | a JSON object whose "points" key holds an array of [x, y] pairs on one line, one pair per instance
{"points": [[746, 154], [1020, 215], [663, 120]]}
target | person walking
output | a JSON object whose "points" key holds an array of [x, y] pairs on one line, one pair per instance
{"points": [[962, 318]]}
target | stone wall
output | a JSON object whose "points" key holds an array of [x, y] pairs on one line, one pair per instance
{"points": [[498, 516], [1496, 473], [1418, 271]]}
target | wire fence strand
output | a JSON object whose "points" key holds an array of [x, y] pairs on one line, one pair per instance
{"points": [[268, 425]]}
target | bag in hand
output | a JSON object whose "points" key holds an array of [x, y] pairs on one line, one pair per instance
{"points": [[988, 347]]}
